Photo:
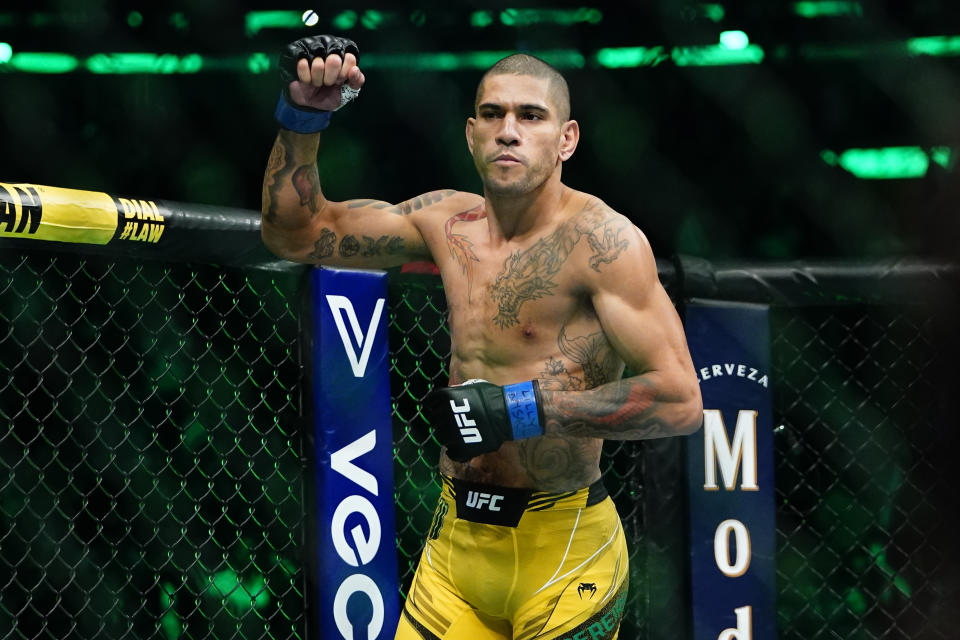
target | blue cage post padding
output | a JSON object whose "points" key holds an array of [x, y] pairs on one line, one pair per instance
{"points": [[730, 466], [357, 584]]}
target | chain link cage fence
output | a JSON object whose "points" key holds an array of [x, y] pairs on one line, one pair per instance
{"points": [[152, 462]]}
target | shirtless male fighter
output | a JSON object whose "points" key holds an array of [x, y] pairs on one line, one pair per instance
{"points": [[550, 293]]}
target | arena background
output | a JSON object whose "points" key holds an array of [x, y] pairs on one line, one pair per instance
{"points": [[833, 135]]}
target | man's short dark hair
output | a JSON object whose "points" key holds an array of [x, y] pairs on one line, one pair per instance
{"points": [[524, 64]]}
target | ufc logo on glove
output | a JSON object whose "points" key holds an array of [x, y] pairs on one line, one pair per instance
{"points": [[468, 427], [496, 415]]}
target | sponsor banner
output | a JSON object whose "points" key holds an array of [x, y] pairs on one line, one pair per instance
{"points": [[37, 212], [730, 466], [357, 584], [50, 213]]}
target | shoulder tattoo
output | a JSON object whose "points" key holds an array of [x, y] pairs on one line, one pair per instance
{"points": [[528, 275]]}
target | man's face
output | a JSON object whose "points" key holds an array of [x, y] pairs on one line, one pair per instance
{"points": [[516, 138]]}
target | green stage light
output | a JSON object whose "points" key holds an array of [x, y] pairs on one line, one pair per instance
{"points": [[134, 19], [716, 55], [713, 12], [179, 21], [934, 46], [156, 63], [6, 52], [258, 63], [481, 19], [345, 20], [257, 20], [827, 9], [627, 57], [450, 61], [42, 62], [944, 156], [560, 17], [734, 40], [434, 61], [372, 19], [888, 163]]}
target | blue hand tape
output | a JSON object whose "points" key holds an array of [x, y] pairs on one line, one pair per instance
{"points": [[523, 410], [298, 120]]}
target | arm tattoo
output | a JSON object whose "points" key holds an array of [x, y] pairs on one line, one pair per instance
{"points": [[382, 246], [323, 247], [415, 204], [460, 247], [625, 409], [349, 245], [528, 275], [279, 167], [406, 207], [375, 204], [307, 183]]}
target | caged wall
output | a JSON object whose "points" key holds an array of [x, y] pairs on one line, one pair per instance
{"points": [[154, 468]]}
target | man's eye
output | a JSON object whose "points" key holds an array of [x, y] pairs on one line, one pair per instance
{"points": [[532, 116]]}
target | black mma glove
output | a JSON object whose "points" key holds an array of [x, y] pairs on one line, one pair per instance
{"points": [[477, 416], [300, 118]]}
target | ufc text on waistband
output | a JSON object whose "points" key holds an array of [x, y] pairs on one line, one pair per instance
{"points": [[504, 506]]}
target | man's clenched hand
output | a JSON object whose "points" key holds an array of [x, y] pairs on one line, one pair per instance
{"points": [[320, 72]]}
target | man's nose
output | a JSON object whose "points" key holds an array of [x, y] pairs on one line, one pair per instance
{"points": [[508, 135]]}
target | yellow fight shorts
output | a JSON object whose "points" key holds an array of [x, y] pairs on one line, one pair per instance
{"points": [[503, 563]]}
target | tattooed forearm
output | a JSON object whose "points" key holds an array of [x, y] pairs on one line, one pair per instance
{"points": [[291, 189], [307, 183], [279, 167], [350, 246], [622, 410]]}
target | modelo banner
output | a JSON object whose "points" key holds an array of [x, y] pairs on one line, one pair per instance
{"points": [[730, 466], [357, 563]]}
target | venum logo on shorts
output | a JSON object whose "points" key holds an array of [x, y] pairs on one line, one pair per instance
{"points": [[438, 517], [479, 500], [587, 587], [468, 427]]}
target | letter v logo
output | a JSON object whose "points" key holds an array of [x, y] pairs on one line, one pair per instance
{"points": [[340, 305]]}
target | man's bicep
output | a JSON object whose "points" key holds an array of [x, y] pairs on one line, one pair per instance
{"points": [[638, 317]]}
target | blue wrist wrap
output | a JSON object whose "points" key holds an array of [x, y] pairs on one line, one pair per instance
{"points": [[298, 120], [523, 410]]}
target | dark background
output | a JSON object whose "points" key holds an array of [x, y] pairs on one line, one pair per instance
{"points": [[715, 162], [711, 161]]}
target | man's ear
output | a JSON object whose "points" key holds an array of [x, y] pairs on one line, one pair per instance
{"points": [[469, 132], [569, 137]]}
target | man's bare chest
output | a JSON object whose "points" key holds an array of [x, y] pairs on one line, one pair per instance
{"points": [[507, 308]]}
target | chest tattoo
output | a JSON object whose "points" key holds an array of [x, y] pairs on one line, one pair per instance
{"points": [[461, 249], [529, 274]]}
